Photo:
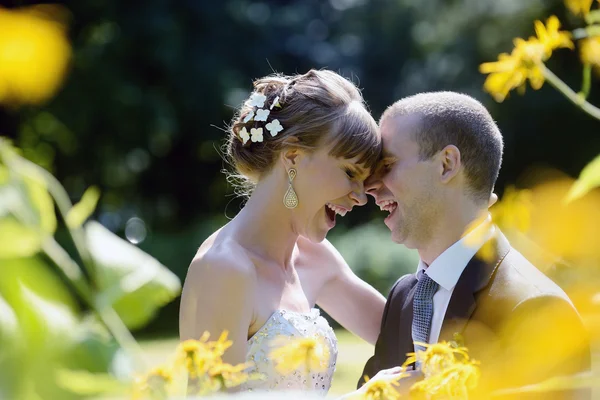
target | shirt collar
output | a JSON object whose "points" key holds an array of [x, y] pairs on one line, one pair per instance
{"points": [[447, 268]]}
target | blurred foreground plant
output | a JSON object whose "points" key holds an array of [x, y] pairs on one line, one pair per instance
{"points": [[527, 62], [447, 369], [198, 370]]}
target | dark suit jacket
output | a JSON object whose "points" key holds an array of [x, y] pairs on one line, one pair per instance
{"points": [[518, 323]]}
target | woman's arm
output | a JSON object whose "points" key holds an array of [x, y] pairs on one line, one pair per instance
{"points": [[218, 295], [352, 302]]}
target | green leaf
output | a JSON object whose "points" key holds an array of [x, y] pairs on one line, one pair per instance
{"points": [[11, 353], [48, 321], [18, 240], [4, 175], [28, 200], [82, 210], [134, 283], [87, 383], [44, 306], [42, 203], [588, 180]]}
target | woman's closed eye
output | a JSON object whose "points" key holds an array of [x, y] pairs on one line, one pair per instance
{"points": [[351, 174]]}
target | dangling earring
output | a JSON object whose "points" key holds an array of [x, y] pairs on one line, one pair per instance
{"points": [[290, 199]]}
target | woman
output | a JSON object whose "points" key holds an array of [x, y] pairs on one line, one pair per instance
{"points": [[306, 143]]}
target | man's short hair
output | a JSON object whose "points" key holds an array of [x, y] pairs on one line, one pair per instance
{"points": [[449, 118]]}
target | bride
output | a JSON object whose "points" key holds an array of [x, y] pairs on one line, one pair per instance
{"points": [[306, 143]]}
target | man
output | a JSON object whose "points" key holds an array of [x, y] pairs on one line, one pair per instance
{"points": [[442, 155]]}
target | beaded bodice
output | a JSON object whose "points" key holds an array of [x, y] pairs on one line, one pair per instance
{"points": [[288, 324]]}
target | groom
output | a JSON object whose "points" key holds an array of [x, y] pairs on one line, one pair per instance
{"points": [[442, 155]]}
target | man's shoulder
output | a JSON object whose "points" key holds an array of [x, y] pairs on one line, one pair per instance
{"points": [[518, 280], [402, 286]]}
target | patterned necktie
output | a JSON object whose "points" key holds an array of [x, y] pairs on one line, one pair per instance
{"points": [[423, 309]]}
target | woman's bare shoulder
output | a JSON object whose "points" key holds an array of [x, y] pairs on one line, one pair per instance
{"points": [[222, 259]]}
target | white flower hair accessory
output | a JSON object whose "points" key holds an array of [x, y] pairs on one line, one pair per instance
{"points": [[249, 117], [274, 127], [244, 135], [257, 134], [275, 103], [257, 100], [261, 115]]}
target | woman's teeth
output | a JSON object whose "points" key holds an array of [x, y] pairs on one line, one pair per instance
{"points": [[336, 209], [388, 205]]}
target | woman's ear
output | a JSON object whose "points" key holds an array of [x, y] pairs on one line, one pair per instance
{"points": [[290, 157]]}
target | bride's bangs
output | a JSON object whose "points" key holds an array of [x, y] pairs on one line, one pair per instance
{"points": [[356, 135]]}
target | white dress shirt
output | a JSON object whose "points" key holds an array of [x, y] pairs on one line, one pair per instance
{"points": [[447, 268]]}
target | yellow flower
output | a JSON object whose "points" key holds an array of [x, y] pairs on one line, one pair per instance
{"points": [[198, 356], [590, 51], [29, 38], [231, 376], [437, 357], [312, 353], [511, 71], [579, 6], [381, 389], [513, 212], [454, 382], [155, 384], [447, 371], [221, 344], [551, 37]]}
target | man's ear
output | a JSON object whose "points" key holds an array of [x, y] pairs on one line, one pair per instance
{"points": [[450, 162]]}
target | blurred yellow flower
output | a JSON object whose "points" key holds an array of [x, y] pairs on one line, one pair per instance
{"points": [[437, 357], [512, 71], [454, 382], [578, 7], [231, 376], [551, 37], [312, 353], [381, 389], [447, 369], [513, 212], [590, 51], [155, 384], [34, 53]]}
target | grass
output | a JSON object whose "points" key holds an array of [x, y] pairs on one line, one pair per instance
{"points": [[353, 353]]}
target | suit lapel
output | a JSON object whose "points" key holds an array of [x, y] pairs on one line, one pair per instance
{"points": [[476, 276], [405, 344]]}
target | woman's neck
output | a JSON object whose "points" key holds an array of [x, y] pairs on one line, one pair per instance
{"points": [[265, 225]]}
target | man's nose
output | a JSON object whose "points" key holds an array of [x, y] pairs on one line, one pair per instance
{"points": [[373, 184]]}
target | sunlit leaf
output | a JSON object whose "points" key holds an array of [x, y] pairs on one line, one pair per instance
{"points": [[10, 352], [87, 383], [588, 180], [47, 315], [130, 280], [18, 240], [4, 174], [82, 210], [42, 203]]}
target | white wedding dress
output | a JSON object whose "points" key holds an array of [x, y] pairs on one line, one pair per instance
{"points": [[293, 325]]}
